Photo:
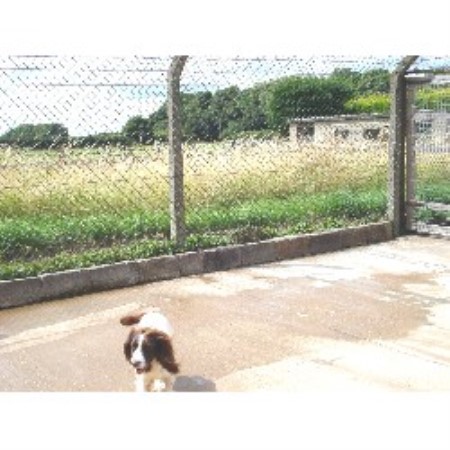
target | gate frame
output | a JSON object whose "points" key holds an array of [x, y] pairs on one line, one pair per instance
{"points": [[413, 81]]}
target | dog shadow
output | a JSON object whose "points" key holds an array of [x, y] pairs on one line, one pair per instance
{"points": [[194, 384]]}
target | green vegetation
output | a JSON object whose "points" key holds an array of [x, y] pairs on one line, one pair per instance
{"points": [[264, 109], [37, 136], [369, 104], [30, 247], [230, 112], [86, 207], [91, 208], [433, 178], [433, 98], [426, 98], [433, 186], [305, 97], [104, 198], [223, 114]]}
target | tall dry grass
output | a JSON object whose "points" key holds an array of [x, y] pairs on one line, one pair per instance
{"points": [[216, 174], [75, 181]]}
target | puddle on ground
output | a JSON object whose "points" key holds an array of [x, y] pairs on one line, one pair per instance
{"points": [[424, 288]]}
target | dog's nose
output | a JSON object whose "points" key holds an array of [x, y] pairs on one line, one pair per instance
{"points": [[137, 359], [139, 365]]}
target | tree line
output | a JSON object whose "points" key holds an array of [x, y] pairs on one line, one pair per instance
{"points": [[261, 110]]}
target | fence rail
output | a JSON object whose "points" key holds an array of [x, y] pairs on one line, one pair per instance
{"points": [[108, 159]]}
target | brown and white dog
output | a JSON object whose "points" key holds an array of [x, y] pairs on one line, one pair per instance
{"points": [[149, 350]]}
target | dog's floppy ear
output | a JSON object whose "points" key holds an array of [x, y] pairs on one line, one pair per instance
{"points": [[164, 352], [127, 347], [131, 319]]}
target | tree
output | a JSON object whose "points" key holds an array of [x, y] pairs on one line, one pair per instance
{"points": [[158, 123], [363, 83], [294, 97], [252, 104], [228, 112], [46, 135], [374, 81], [139, 130], [225, 108], [199, 121]]}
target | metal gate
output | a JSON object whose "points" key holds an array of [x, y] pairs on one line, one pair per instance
{"points": [[428, 148]]}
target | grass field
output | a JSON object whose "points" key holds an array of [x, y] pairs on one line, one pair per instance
{"points": [[77, 208]]}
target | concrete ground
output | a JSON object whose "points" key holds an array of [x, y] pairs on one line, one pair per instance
{"points": [[364, 319]]}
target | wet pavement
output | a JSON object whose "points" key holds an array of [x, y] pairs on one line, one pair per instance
{"points": [[373, 318]]}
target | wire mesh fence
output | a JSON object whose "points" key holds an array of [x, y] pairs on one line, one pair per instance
{"points": [[430, 142], [71, 137], [271, 146], [284, 146]]}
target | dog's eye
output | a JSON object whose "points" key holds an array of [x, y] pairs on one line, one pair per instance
{"points": [[134, 345]]}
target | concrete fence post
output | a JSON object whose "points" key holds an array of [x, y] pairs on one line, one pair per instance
{"points": [[397, 139], [410, 159], [176, 183]]}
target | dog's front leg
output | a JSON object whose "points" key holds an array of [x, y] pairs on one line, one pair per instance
{"points": [[168, 381], [139, 383]]}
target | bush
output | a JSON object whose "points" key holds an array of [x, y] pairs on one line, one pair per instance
{"points": [[433, 98], [426, 98], [372, 103]]}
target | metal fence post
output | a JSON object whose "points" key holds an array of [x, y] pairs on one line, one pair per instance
{"points": [[176, 188], [397, 137]]}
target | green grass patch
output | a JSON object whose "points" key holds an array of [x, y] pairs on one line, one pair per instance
{"points": [[48, 244], [28, 238], [436, 192]]}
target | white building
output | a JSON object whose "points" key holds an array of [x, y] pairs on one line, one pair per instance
{"points": [[352, 128]]}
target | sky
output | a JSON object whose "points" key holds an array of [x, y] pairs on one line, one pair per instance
{"points": [[99, 94], [95, 83], [86, 94], [93, 94]]}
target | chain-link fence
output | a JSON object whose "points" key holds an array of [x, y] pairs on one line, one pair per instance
{"points": [[270, 146], [83, 179], [429, 142], [283, 146]]}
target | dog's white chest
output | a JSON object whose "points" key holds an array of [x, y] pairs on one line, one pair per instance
{"points": [[157, 379]]}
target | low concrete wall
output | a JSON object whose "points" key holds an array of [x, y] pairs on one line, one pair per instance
{"points": [[129, 273]]}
